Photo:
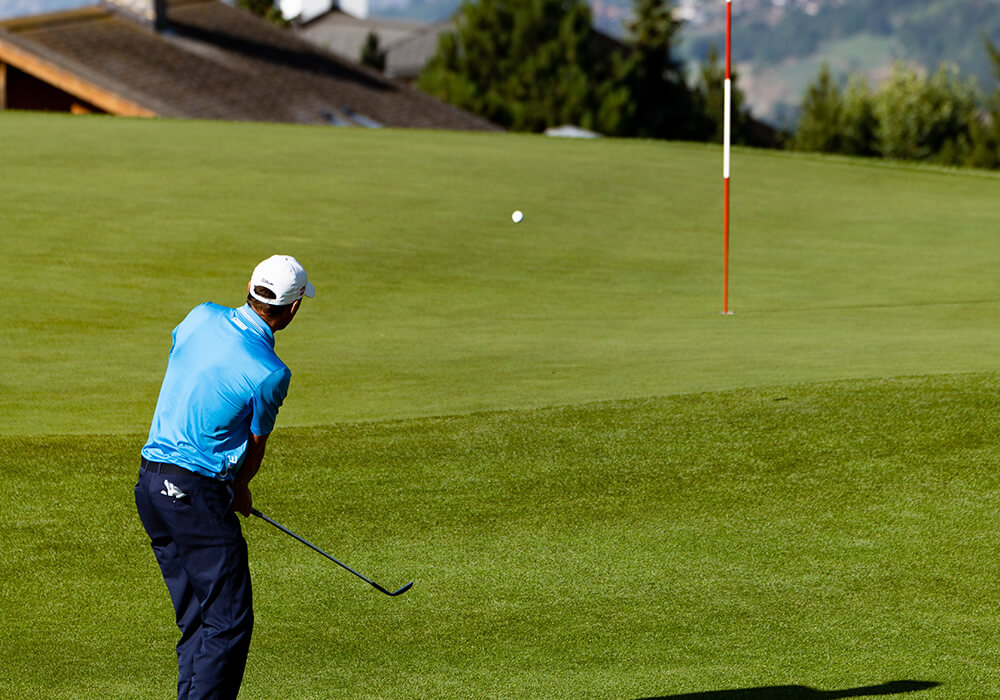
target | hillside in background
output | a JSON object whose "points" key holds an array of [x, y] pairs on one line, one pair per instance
{"points": [[22, 8], [778, 45]]}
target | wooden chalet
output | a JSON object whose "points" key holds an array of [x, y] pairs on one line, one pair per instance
{"points": [[199, 59]]}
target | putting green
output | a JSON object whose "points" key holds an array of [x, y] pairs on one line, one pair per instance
{"points": [[601, 486], [432, 302]]}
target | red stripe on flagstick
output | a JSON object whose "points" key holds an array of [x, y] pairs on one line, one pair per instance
{"points": [[725, 284]]}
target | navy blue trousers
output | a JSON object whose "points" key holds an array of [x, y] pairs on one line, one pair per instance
{"points": [[200, 548]]}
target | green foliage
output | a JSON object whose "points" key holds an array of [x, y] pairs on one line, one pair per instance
{"points": [[836, 121], [986, 129], [662, 103], [857, 119], [531, 64], [266, 9], [710, 102], [371, 55], [908, 118], [822, 109], [523, 64], [925, 119]]}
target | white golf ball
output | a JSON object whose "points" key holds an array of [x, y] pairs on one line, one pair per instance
{"points": [[517, 216]]}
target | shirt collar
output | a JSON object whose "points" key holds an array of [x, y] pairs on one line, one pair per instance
{"points": [[256, 323]]}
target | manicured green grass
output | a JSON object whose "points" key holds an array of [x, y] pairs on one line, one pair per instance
{"points": [[830, 535], [431, 302], [601, 486]]}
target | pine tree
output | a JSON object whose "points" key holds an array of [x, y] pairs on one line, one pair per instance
{"points": [[857, 119], [986, 130], [523, 64], [662, 103], [266, 9], [371, 55], [819, 123], [926, 119], [710, 99]]}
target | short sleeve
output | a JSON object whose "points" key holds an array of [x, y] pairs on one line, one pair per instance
{"points": [[266, 401]]}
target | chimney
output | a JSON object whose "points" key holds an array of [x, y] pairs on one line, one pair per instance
{"points": [[152, 13]]}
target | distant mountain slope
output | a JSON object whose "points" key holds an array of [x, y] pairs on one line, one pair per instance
{"points": [[779, 45], [779, 52], [23, 8]]}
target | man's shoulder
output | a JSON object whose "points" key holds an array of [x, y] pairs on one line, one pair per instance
{"points": [[206, 308], [210, 308], [194, 322], [203, 312]]}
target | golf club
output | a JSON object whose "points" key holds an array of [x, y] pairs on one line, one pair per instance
{"points": [[404, 589]]}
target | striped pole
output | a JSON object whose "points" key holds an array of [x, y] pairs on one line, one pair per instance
{"points": [[726, 138]]}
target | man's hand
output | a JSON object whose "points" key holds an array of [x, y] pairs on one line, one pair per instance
{"points": [[242, 500]]}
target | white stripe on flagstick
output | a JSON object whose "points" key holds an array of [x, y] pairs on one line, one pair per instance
{"points": [[726, 128]]}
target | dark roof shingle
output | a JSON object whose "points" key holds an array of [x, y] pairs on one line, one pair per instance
{"points": [[218, 62]]}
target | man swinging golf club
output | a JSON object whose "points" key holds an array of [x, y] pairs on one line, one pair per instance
{"points": [[217, 405]]}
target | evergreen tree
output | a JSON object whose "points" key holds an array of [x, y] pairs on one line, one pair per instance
{"points": [[523, 64], [662, 105], [857, 119], [710, 103], [371, 55], [926, 119], [986, 130], [266, 9], [822, 112]]}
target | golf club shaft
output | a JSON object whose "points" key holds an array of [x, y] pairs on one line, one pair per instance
{"points": [[254, 511]]}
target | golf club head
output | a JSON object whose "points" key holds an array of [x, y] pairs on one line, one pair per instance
{"points": [[402, 590]]}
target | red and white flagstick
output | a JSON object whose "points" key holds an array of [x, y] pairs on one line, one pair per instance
{"points": [[726, 138]]}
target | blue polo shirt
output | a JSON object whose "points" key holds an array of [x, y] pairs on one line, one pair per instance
{"points": [[223, 382]]}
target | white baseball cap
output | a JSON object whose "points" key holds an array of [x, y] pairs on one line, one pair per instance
{"points": [[284, 276]]}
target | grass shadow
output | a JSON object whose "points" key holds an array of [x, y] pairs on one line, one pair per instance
{"points": [[801, 692]]}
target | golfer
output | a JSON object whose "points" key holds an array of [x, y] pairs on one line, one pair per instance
{"points": [[217, 405]]}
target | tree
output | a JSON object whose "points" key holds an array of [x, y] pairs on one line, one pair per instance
{"points": [[822, 112], [266, 9], [662, 103], [371, 55], [926, 119], [986, 130], [523, 64], [710, 103], [857, 119]]}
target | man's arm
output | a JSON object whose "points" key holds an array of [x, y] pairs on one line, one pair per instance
{"points": [[242, 500]]}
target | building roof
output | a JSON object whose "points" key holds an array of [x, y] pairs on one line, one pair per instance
{"points": [[213, 61], [345, 35], [408, 46], [407, 57]]}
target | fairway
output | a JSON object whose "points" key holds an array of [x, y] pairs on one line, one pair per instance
{"points": [[602, 486]]}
